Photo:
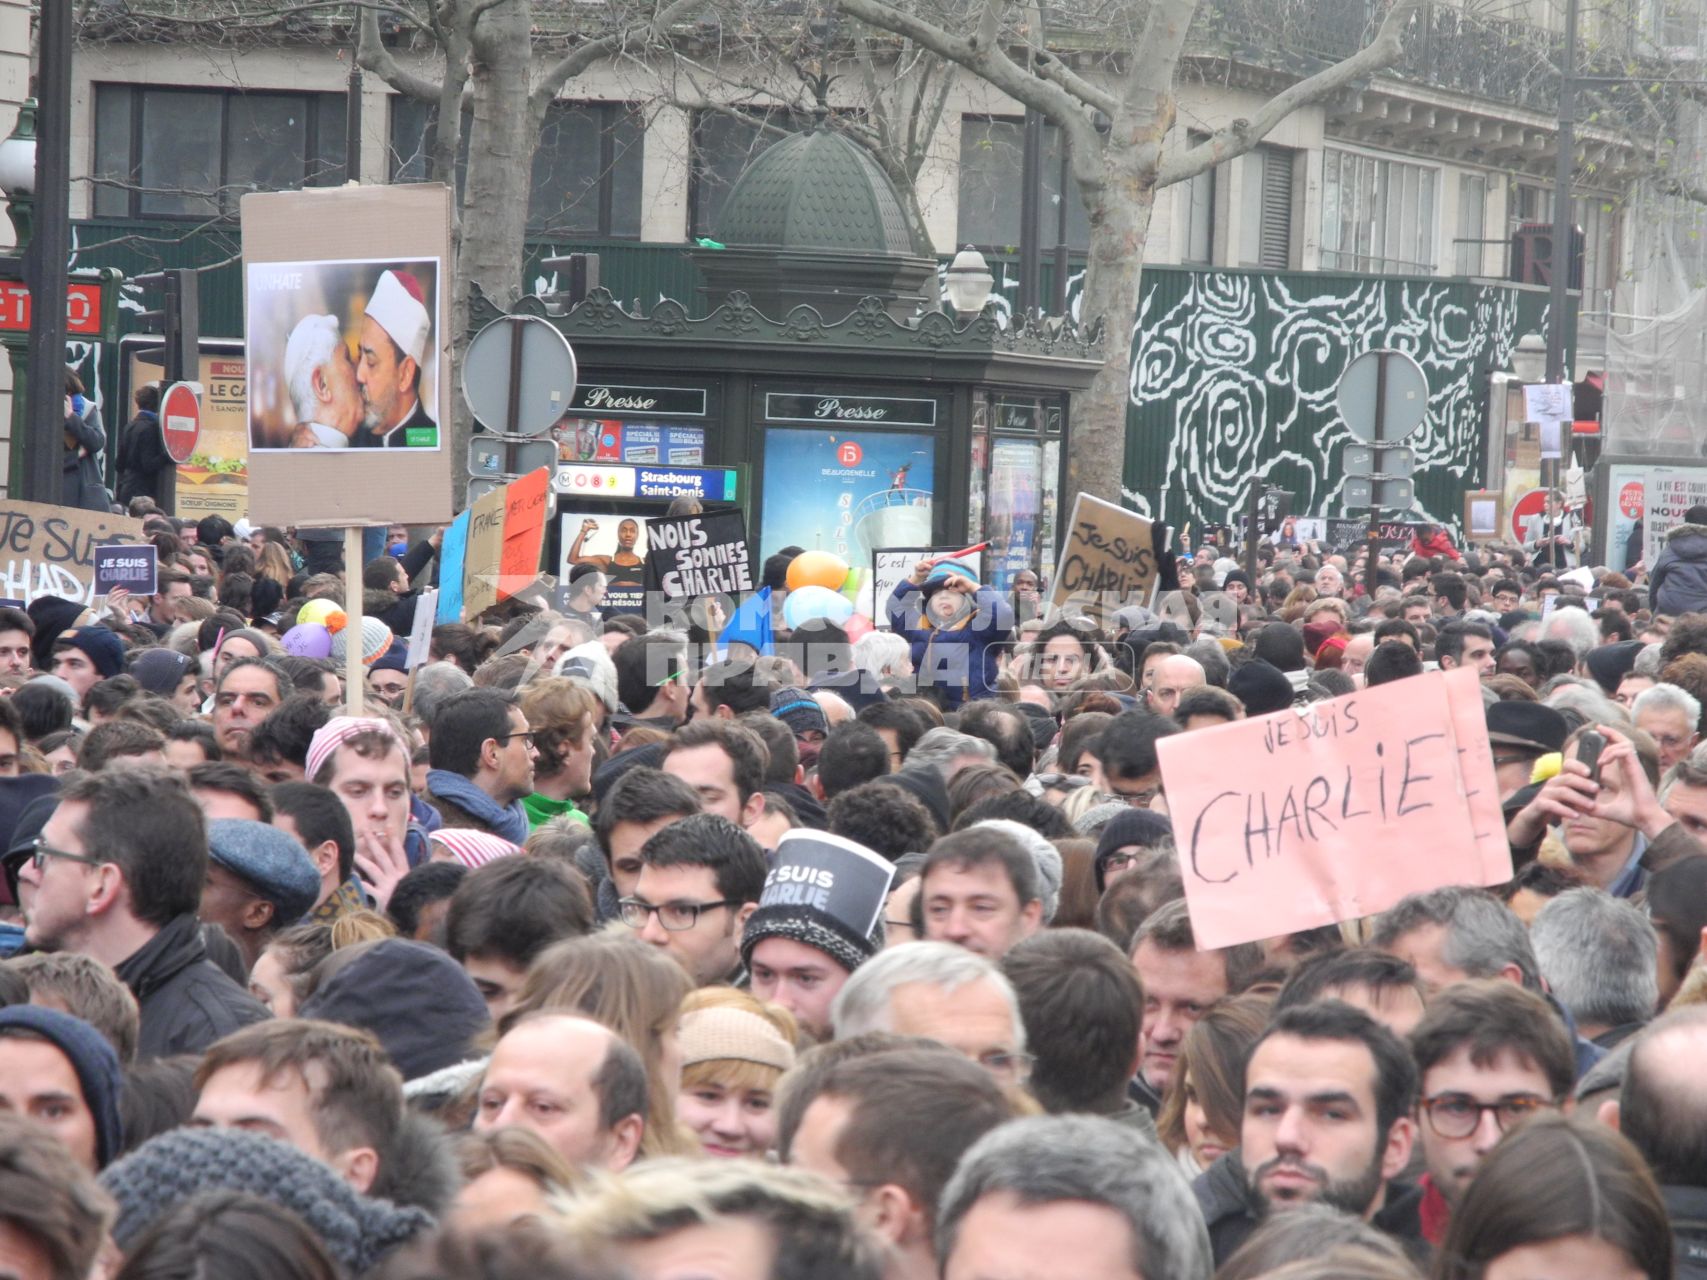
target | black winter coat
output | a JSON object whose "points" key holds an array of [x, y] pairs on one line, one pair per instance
{"points": [[187, 1001]]}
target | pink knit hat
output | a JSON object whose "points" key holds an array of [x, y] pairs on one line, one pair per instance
{"points": [[473, 848]]}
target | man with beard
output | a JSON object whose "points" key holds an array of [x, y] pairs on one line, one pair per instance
{"points": [[393, 341], [1328, 1099]]}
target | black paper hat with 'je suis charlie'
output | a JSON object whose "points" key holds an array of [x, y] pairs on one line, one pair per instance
{"points": [[824, 892]]}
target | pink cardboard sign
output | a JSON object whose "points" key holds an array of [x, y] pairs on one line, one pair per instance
{"points": [[1325, 813], [1481, 788]]}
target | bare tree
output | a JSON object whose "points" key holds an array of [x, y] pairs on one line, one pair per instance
{"points": [[1119, 161], [758, 68]]}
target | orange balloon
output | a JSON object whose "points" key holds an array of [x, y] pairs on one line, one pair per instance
{"points": [[817, 569]]}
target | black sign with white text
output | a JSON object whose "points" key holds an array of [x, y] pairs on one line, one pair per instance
{"points": [[704, 555], [134, 567]]}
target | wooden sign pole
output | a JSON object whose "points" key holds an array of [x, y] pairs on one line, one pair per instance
{"points": [[354, 671]]}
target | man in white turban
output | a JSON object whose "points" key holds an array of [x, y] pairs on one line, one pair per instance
{"points": [[395, 331]]}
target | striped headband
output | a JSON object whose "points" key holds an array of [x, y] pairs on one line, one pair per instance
{"points": [[339, 730], [473, 848]]}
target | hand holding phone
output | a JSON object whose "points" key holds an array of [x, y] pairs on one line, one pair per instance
{"points": [[1589, 746]]}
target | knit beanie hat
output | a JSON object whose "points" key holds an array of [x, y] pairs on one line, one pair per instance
{"points": [[1142, 827], [375, 640], [104, 648], [944, 572], [725, 1034], [52, 615], [1261, 687], [167, 1170], [93, 1059], [796, 709], [1045, 855], [824, 892], [160, 670]]}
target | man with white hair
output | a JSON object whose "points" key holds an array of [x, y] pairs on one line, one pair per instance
{"points": [[947, 993], [1330, 582], [322, 383], [1671, 717], [395, 330]]}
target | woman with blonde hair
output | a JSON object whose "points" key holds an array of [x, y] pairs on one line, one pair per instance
{"points": [[735, 1047], [636, 991], [274, 565]]}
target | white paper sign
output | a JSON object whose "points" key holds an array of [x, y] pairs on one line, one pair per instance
{"points": [[1547, 402]]}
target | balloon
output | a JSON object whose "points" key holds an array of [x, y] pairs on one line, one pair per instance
{"points": [[308, 640], [811, 603], [858, 626], [325, 612], [817, 569]]}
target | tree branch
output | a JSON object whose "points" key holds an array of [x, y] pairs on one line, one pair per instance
{"points": [[372, 55], [1242, 135], [981, 54], [583, 56]]}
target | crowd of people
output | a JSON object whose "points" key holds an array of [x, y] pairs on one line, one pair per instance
{"points": [[593, 948]]}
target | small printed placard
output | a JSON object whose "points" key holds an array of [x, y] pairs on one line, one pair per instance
{"points": [[133, 566]]}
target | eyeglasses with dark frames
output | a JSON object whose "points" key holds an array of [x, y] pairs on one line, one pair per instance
{"points": [[674, 916]]}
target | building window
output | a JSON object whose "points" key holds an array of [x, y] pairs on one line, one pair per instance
{"points": [[1469, 253], [992, 166], [1378, 216], [1197, 207], [586, 168], [1595, 216], [193, 153], [1266, 240]]}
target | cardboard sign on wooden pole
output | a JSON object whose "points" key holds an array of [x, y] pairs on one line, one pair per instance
{"points": [[347, 324]]}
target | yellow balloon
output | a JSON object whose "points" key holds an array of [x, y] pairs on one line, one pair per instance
{"points": [[817, 569], [325, 612]]}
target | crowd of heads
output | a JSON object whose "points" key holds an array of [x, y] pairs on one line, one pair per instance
{"points": [[594, 948]]}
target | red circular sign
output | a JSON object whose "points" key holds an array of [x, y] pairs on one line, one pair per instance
{"points": [[848, 453], [180, 421], [1630, 500]]}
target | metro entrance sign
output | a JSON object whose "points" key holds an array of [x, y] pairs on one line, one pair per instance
{"points": [[181, 420], [82, 309]]}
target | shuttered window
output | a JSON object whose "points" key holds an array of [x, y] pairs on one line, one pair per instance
{"points": [[1275, 237]]}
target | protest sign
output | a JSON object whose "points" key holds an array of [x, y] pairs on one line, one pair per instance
{"points": [[525, 503], [1476, 761], [1333, 811], [453, 559], [1107, 562], [615, 545], [134, 566], [331, 274], [485, 555], [1670, 492], [830, 874], [50, 551], [703, 555], [421, 630]]}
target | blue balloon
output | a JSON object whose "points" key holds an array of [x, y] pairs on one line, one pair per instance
{"points": [[810, 603]]}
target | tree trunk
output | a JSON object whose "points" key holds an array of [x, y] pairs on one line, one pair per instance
{"points": [[1119, 212], [501, 143]]}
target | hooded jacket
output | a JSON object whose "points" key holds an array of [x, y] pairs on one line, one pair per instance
{"points": [[1678, 580], [953, 662], [187, 1001]]}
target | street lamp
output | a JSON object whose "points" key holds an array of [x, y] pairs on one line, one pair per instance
{"points": [[969, 282]]}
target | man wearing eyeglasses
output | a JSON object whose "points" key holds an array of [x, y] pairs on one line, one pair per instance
{"points": [[700, 878], [1490, 1056], [482, 757], [118, 875]]}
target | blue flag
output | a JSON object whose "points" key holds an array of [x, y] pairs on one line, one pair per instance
{"points": [[750, 624]]}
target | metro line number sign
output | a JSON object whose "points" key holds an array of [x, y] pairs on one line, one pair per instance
{"points": [[82, 309]]}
